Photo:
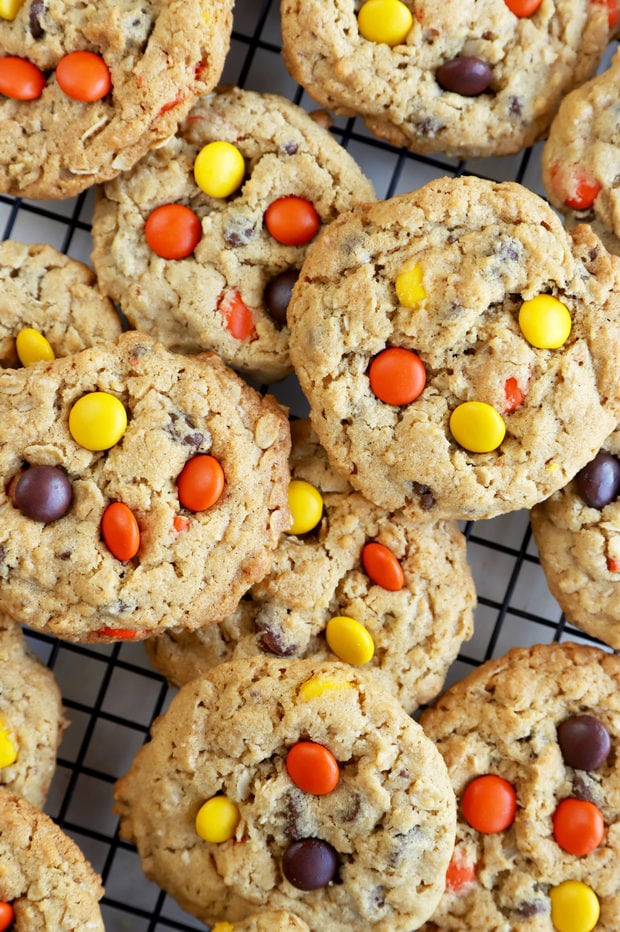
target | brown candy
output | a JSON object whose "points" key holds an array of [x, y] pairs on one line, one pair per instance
{"points": [[278, 294], [464, 75], [43, 493], [584, 742], [309, 863]]}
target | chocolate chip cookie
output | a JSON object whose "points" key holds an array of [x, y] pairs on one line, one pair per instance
{"points": [[577, 532], [461, 77], [399, 581], [141, 490], [87, 89], [459, 349], [531, 743], [205, 267], [299, 786]]}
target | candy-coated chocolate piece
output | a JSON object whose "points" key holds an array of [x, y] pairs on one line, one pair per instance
{"points": [[43, 493], [237, 315], [309, 863], [20, 79], [574, 907], [306, 506], [386, 21], [477, 426], [312, 767], [397, 376], [584, 742], [97, 421], [277, 295], [32, 347], [8, 749], [219, 169], [578, 826], [317, 685], [382, 566], [10, 8], [522, 8], [201, 482], [172, 231], [120, 531], [489, 804], [465, 75], [217, 819], [292, 220], [598, 483], [84, 76], [349, 640], [7, 916], [409, 288], [545, 322]]}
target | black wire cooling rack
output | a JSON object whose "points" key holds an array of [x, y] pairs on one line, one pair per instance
{"points": [[111, 693]]}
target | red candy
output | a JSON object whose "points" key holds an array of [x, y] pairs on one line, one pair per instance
{"points": [[613, 565], [312, 767], [238, 317], [119, 634], [523, 7], [83, 76], [172, 231], [200, 483], [397, 376], [20, 79], [7, 916], [489, 804], [459, 874], [613, 11], [292, 220], [382, 567], [120, 531], [514, 395], [578, 826]]}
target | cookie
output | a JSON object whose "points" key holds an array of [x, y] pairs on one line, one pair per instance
{"points": [[531, 742], [300, 786], [464, 78], [31, 718], [141, 490], [45, 883], [44, 291], [87, 89], [203, 267], [577, 532], [272, 920], [458, 348], [402, 583], [581, 158]]}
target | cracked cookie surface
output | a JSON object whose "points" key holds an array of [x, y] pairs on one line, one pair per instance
{"points": [[59, 574], [503, 719], [389, 819], [160, 55], [480, 250], [189, 303], [417, 629], [530, 63]]}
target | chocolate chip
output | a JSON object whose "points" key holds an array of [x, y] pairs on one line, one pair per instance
{"points": [[309, 863], [277, 295], [43, 493], [37, 9], [527, 910], [271, 642], [598, 483], [516, 106], [584, 742], [429, 126], [294, 813], [464, 75], [290, 148], [427, 499], [239, 231], [585, 788]]}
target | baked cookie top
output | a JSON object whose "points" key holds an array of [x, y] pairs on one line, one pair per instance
{"points": [[271, 920], [230, 291], [141, 490], [323, 797], [398, 582], [31, 718], [581, 158], [531, 744], [88, 88], [45, 877], [44, 291], [577, 533], [461, 77], [458, 348]]}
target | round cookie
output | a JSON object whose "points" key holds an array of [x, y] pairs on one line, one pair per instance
{"points": [[54, 295], [45, 877], [416, 629], [70, 121], [31, 718], [409, 309], [581, 158], [461, 77], [197, 482], [229, 294], [369, 851], [541, 719], [578, 540], [272, 920]]}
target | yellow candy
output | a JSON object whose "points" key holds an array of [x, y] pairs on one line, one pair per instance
{"points": [[409, 288], [545, 322], [574, 907], [349, 640], [317, 685], [97, 421], [219, 169], [8, 751], [477, 426], [223, 927], [9, 10], [217, 819], [386, 21], [306, 506], [32, 346]]}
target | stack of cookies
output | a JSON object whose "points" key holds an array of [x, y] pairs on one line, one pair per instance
{"points": [[304, 582]]}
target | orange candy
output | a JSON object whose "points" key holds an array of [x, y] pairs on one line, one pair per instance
{"points": [[83, 76], [120, 531], [459, 874], [200, 483], [238, 317], [292, 220], [613, 11], [312, 767], [583, 191], [172, 231], [523, 7], [613, 565], [382, 567], [578, 826], [489, 804], [20, 79], [397, 376], [514, 395], [119, 634], [180, 523], [7, 916]]}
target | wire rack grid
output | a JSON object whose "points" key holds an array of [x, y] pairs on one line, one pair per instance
{"points": [[111, 693]]}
